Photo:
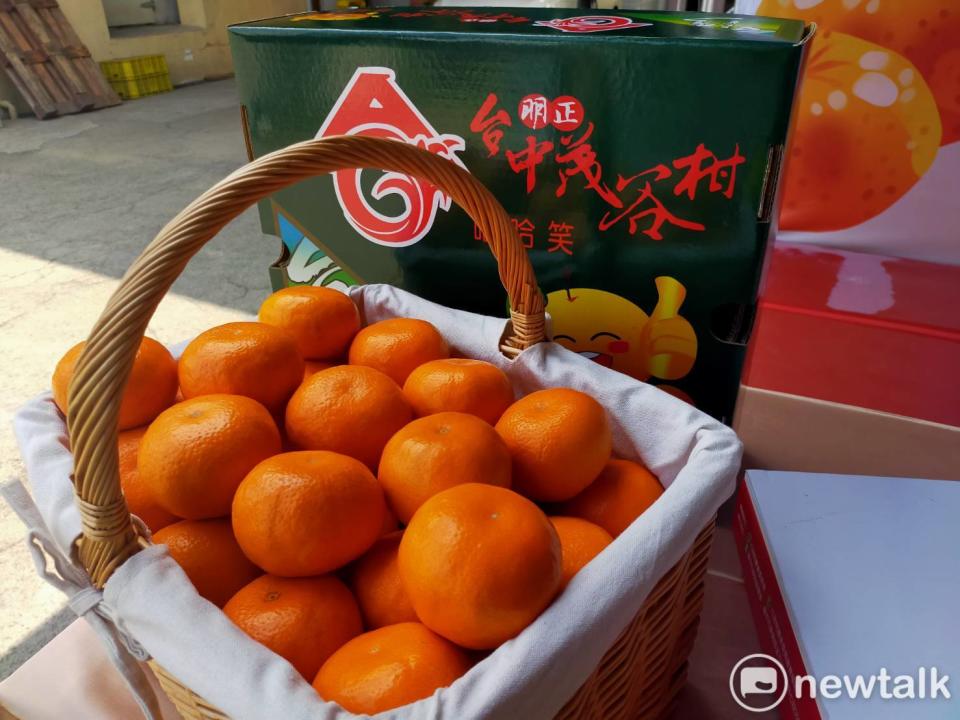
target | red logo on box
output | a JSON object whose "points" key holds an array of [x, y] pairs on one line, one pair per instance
{"points": [[591, 23], [372, 103]]}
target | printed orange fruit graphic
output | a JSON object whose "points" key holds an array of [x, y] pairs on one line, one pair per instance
{"points": [[580, 542], [347, 409], [307, 513], [397, 346], [880, 93], [375, 580], [867, 129], [925, 32], [196, 453], [559, 440], [321, 320], [388, 668], [209, 555], [619, 496], [437, 452], [479, 599], [140, 500], [253, 359], [303, 620], [150, 389], [459, 385]]}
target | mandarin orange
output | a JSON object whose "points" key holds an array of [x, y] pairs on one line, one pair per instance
{"points": [[388, 668], [194, 455], [312, 367], [459, 385], [580, 542], [321, 320], [479, 564], [140, 500], [253, 359], [303, 620], [348, 409], [307, 513], [397, 346], [619, 496], [390, 523], [375, 579], [437, 452], [209, 555], [150, 389], [559, 440]]}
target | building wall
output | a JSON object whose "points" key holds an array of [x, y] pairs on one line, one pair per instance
{"points": [[195, 50]]}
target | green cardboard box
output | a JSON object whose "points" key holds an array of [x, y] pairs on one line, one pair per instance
{"points": [[637, 153]]}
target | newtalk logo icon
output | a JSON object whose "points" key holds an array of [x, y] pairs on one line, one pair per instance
{"points": [[760, 683]]}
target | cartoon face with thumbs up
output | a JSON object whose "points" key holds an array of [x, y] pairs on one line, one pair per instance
{"points": [[615, 333]]}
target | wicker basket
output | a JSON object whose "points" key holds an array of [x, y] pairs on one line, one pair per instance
{"points": [[640, 675]]}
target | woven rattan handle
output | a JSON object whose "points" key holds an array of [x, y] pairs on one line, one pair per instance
{"points": [[108, 537]]}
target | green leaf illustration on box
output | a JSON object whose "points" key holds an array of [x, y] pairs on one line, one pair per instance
{"points": [[306, 263]]}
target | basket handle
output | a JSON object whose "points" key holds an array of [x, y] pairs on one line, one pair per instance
{"points": [[108, 537]]}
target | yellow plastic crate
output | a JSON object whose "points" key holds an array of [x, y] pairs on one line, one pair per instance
{"points": [[138, 76], [135, 67]]}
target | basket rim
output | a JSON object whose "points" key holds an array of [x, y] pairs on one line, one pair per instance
{"points": [[707, 478], [105, 363]]}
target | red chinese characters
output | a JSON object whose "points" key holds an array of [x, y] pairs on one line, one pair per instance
{"points": [[635, 200], [559, 235], [534, 111], [580, 159], [716, 170], [525, 230], [526, 160], [490, 125], [560, 239], [567, 113], [645, 205]]}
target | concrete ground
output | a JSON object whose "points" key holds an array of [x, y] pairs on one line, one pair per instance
{"points": [[79, 198]]}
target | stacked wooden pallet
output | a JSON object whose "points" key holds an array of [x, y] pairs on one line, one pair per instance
{"points": [[47, 62]]}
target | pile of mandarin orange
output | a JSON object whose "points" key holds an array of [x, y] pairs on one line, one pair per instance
{"points": [[374, 511]]}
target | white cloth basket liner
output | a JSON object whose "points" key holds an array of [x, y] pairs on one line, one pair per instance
{"points": [[531, 676]]}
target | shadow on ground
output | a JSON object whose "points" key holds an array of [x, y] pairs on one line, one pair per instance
{"points": [[80, 196], [91, 190]]}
